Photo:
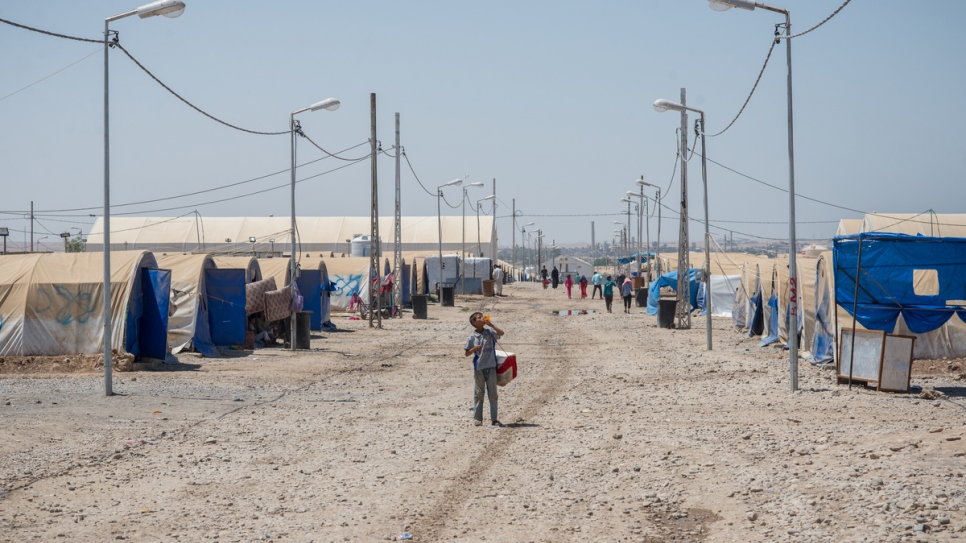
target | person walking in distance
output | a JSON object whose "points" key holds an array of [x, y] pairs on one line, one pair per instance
{"points": [[583, 286], [569, 283], [544, 277], [598, 280], [609, 293], [626, 290], [482, 345], [554, 277]]}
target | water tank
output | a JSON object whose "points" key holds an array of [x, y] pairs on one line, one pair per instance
{"points": [[361, 246]]}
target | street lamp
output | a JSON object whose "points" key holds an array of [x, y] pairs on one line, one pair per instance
{"points": [[526, 255], [479, 245], [643, 211], [329, 104], [439, 219], [750, 5], [272, 241], [170, 9], [639, 206], [642, 183], [463, 243], [663, 105]]}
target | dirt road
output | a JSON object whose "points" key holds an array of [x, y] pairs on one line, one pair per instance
{"points": [[615, 431]]}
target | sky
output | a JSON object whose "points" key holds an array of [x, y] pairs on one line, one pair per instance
{"points": [[552, 99]]}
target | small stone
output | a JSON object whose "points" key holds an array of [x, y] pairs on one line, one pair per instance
{"points": [[746, 436], [618, 436], [919, 528], [895, 448], [936, 403], [615, 470], [210, 441], [936, 430], [756, 489], [877, 481], [637, 468], [752, 516], [943, 520], [953, 438], [874, 456]]}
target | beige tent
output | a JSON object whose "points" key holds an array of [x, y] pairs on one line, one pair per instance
{"points": [[323, 235], [52, 304], [248, 263], [187, 292]]}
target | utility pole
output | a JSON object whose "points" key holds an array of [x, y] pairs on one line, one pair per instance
{"points": [[513, 244], [683, 312], [375, 302], [31, 226], [397, 241], [494, 242]]}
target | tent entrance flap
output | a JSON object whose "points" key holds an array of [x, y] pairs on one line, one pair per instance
{"points": [[226, 306], [153, 333]]}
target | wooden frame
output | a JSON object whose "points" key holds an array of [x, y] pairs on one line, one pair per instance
{"points": [[895, 361], [870, 349]]}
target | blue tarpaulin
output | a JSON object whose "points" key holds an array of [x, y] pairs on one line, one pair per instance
{"points": [[890, 268], [671, 280], [643, 256]]}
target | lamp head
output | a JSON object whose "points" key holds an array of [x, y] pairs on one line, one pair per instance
{"points": [[725, 5], [528, 224], [168, 8], [453, 183], [330, 104], [626, 200], [477, 184], [490, 197], [251, 239], [661, 105]]}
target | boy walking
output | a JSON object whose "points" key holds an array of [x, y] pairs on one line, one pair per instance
{"points": [[609, 293], [482, 345]]}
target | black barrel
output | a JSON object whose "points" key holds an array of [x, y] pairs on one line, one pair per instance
{"points": [[419, 306], [448, 296], [303, 326], [665, 312], [641, 297]]}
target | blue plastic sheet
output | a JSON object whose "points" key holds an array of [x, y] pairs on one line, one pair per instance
{"points": [[772, 323], [886, 276], [671, 280]]}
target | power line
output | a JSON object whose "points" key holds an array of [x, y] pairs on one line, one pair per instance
{"points": [[51, 75], [189, 104], [11, 23], [221, 187], [416, 176], [833, 14], [298, 130]]}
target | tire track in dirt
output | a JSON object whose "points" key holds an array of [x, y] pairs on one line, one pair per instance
{"points": [[464, 484]]}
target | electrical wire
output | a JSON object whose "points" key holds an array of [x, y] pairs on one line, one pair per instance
{"points": [[833, 14], [142, 212], [185, 195], [298, 130], [51, 75], [117, 44], [774, 42], [11, 23], [433, 194]]}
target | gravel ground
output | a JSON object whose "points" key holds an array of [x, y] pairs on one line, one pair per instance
{"points": [[616, 430]]}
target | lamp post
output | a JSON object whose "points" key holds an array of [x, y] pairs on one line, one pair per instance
{"points": [[463, 243], [65, 235], [516, 212], [329, 104], [662, 105], [170, 9], [479, 243], [526, 255], [750, 5], [642, 211], [439, 220], [657, 252], [4, 233], [639, 206], [272, 241]]}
